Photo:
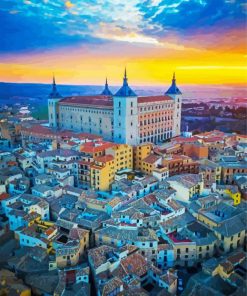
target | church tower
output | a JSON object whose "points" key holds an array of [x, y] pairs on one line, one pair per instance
{"points": [[125, 120], [176, 94], [53, 109]]}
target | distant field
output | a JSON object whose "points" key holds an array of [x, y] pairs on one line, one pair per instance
{"points": [[40, 112], [207, 124]]}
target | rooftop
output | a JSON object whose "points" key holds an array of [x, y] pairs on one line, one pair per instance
{"points": [[187, 180], [96, 101], [94, 147], [173, 89], [153, 99]]}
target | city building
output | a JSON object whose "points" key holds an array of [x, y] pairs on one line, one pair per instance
{"points": [[181, 164], [123, 118], [187, 186], [195, 150]]}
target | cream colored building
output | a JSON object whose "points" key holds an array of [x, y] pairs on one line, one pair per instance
{"points": [[123, 118], [187, 186]]}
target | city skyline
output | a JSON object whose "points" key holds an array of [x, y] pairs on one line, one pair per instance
{"points": [[83, 42]]}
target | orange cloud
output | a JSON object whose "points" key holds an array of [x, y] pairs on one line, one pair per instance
{"points": [[69, 4]]}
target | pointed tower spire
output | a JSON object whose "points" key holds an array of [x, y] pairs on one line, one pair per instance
{"points": [[54, 93], [125, 90], [173, 90], [125, 79], [106, 91]]}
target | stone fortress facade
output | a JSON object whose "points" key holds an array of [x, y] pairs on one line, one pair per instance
{"points": [[123, 117]]}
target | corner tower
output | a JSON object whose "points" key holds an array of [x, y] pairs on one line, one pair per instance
{"points": [[106, 91], [125, 120], [53, 108], [176, 95]]}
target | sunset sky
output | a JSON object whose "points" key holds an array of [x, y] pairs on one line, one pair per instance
{"points": [[84, 41]]}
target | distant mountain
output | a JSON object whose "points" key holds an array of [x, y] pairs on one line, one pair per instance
{"points": [[35, 90], [41, 91]]}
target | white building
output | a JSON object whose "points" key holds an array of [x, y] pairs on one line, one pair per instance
{"points": [[123, 117]]}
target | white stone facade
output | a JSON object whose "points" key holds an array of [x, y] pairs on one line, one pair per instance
{"points": [[122, 118]]}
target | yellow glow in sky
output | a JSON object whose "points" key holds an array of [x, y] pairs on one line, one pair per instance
{"points": [[146, 65]]}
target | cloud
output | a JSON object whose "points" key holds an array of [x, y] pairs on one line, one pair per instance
{"points": [[184, 15], [68, 4], [42, 24]]}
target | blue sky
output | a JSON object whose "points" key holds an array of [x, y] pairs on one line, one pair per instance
{"points": [[33, 24]]}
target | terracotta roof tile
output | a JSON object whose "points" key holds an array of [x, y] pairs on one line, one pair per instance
{"points": [[4, 196], [46, 132], [150, 99], [98, 101], [135, 264], [93, 147], [105, 158], [151, 159]]}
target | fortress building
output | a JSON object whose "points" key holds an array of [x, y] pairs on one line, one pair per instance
{"points": [[123, 117]]}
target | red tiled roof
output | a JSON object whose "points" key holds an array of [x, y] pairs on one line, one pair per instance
{"points": [[213, 139], [50, 230], [184, 140], [10, 163], [86, 162], [150, 199], [49, 133], [236, 258], [152, 158], [96, 101], [128, 224], [91, 147], [4, 196], [71, 143], [211, 134], [175, 239], [150, 99], [242, 136], [135, 264], [104, 158]]}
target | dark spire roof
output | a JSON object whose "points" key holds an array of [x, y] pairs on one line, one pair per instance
{"points": [[54, 93], [125, 90], [106, 91], [173, 89]]}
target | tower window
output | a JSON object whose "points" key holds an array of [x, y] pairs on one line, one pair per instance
{"points": [[131, 112], [119, 104], [131, 104], [119, 112]]}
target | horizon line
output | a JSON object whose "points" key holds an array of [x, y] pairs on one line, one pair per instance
{"points": [[238, 84]]}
